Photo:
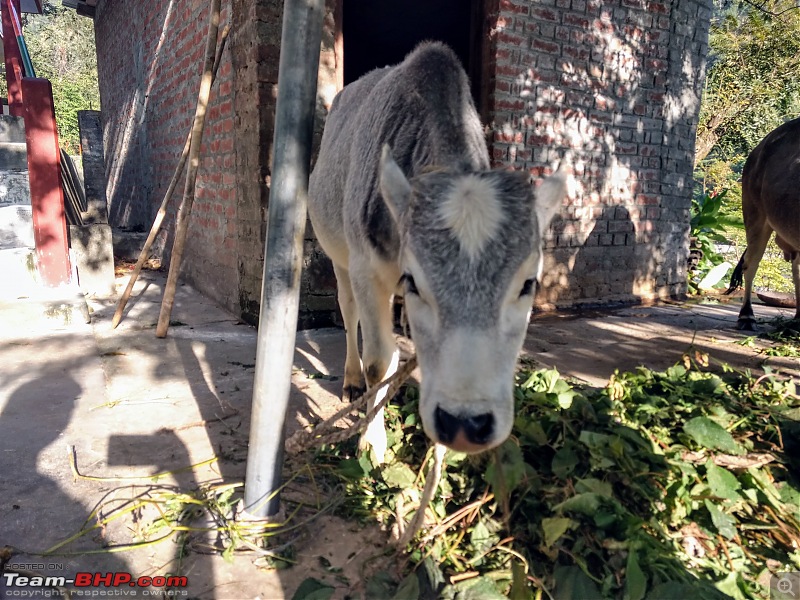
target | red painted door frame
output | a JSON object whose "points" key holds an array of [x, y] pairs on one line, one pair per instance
{"points": [[44, 174], [13, 60]]}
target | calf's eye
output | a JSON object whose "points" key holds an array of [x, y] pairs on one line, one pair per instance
{"points": [[410, 286], [527, 288]]}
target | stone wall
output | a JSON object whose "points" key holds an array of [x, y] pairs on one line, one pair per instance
{"points": [[618, 83]]}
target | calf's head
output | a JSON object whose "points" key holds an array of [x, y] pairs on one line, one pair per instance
{"points": [[471, 257]]}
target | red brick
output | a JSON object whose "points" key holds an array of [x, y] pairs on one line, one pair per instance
{"points": [[547, 47], [520, 8], [546, 14], [510, 38], [576, 20], [540, 140]]}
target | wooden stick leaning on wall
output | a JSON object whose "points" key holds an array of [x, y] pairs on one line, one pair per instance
{"points": [[162, 211], [185, 210]]}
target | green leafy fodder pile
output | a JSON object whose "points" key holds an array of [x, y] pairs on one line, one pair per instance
{"points": [[675, 484], [784, 340]]}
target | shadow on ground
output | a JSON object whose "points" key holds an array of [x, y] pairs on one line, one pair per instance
{"points": [[133, 406]]}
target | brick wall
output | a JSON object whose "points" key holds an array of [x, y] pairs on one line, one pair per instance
{"points": [[256, 50], [150, 57], [256, 55], [618, 82], [615, 81], [121, 73]]}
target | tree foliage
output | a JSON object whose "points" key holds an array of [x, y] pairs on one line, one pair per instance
{"points": [[753, 81], [62, 49], [752, 87]]}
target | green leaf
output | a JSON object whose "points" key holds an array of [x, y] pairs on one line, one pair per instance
{"points": [[312, 589], [590, 484], [507, 469], [635, 579], [712, 435], [594, 440], [725, 524], [565, 398], [228, 553], [604, 518], [480, 538], [453, 458], [520, 590], [676, 372], [480, 588], [531, 431], [722, 482], [585, 504], [433, 580], [564, 462], [408, 588], [380, 585], [554, 528], [366, 462], [399, 475], [766, 486], [351, 469], [674, 590], [573, 584], [790, 496], [732, 586]]}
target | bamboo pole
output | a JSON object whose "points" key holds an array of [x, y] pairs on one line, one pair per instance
{"points": [[182, 225], [283, 253], [162, 211], [23, 47]]}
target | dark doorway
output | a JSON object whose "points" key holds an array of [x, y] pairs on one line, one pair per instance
{"points": [[378, 33]]}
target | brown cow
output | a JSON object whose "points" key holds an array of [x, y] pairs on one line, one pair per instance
{"points": [[770, 202]]}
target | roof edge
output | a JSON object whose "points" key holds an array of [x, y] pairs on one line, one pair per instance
{"points": [[83, 7]]}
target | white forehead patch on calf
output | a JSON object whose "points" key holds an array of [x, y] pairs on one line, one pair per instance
{"points": [[473, 212]]}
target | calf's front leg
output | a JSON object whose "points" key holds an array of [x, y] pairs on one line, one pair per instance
{"points": [[354, 385], [381, 357]]}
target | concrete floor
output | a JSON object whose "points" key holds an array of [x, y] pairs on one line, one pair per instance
{"points": [[130, 405]]}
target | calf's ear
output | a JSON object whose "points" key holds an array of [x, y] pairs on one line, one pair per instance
{"points": [[395, 189], [550, 196]]}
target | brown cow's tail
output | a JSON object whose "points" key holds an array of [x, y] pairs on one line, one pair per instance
{"points": [[737, 276]]}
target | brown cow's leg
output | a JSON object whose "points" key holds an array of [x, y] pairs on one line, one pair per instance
{"points": [[793, 256], [796, 279], [758, 235]]}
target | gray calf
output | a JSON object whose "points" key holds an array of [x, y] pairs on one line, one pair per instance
{"points": [[402, 197]]}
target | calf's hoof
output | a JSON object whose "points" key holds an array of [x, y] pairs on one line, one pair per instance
{"points": [[353, 391]]}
